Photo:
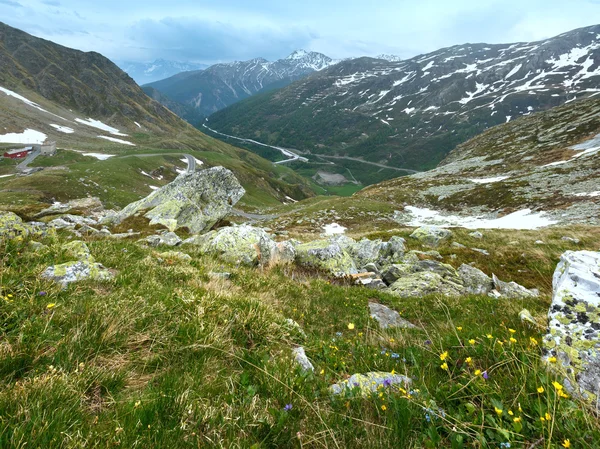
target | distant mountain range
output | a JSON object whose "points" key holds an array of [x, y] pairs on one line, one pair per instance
{"points": [[412, 113], [221, 85], [147, 72]]}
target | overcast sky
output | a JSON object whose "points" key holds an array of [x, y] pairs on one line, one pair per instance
{"points": [[207, 32]]}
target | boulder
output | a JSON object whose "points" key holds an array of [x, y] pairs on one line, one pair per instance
{"points": [[80, 270], [476, 235], [79, 250], [83, 205], [276, 253], [326, 255], [574, 322], [475, 281], [371, 383], [512, 290], [398, 271], [387, 317], [164, 239], [196, 201], [11, 226], [432, 235], [394, 272], [425, 283], [173, 256], [571, 240]]}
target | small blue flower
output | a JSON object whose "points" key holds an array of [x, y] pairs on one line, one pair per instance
{"points": [[287, 407], [42, 293], [395, 356], [505, 445], [338, 334], [383, 351], [428, 342]]}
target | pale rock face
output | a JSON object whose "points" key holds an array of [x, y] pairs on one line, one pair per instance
{"points": [[79, 250], [372, 382], [85, 205], [196, 201], [426, 283], [77, 271], [326, 255], [512, 290], [574, 321], [432, 235], [11, 226], [166, 239]]}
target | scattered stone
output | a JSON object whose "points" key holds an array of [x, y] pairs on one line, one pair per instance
{"points": [[372, 382], [60, 223], [173, 255], [476, 235], [540, 242], [77, 271], [395, 272], [432, 235], [372, 268], [293, 325], [571, 240], [302, 360], [373, 284], [166, 239], [387, 317], [574, 322], [475, 281], [219, 276], [83, 205], [196, 201], [458, 245], [121, 236], [482, 251], [512, 290], [276, 253]]}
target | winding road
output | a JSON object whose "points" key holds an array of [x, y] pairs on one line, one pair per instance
{"points": [[191, 160]]}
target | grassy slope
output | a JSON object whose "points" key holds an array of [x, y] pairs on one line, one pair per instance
{"points": [[163, 356]]}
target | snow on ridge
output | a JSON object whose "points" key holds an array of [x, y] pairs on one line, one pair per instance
{"points": [[10, 93], [63, 129], [99, 156], [589, 194], [489, 180], [99, 125], [112, 139], [29, 136], [334, 229]]}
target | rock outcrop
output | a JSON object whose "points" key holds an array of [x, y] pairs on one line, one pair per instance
{"points": [[574, 322], [431, 235], [370, 383], [11, 226], [196, 201], [388, 318]]}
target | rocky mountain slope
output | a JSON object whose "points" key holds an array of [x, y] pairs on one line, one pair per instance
{"points": [[221, 85], [148, 72], [412, 113]]}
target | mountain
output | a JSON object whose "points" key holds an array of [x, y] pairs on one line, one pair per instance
{"points": [[390, 58], [89, 106], [412, 113], [148, 72], [221, 85]]}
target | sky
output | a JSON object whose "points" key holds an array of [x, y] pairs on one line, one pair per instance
{"points": [[206, 32]]}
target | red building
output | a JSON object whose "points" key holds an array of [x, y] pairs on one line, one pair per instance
{"points": [[17, 154]]}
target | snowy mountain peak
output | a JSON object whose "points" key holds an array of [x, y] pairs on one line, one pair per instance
{"points": [[390, 58], [298, 54]]}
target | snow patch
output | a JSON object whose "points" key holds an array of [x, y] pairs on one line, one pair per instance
{"points": [[489, 180], [112, 139], [99, 125], [523, 219], [590, 194], [63, 129], [27, 136], [334, 229]]}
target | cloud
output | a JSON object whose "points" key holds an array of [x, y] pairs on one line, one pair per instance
{"points": [[205, 40], [11, 3]]}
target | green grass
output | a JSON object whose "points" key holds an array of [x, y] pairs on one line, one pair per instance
{"points": [[165, 356]]}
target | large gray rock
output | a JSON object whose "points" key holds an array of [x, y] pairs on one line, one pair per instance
{"points": [[369, 383], [196, 201], [78, 250], [574, 322], [431, 235], [475, 280], [397, 271], [388, 318], [302, 360], [244, 244], [83, 205], [12, 226], [425, 283], [164, 239], [326, 255]]}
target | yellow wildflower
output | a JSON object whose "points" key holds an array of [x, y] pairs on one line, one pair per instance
{"points": [[512, 331], [471, 341], [557, 386], [552, 359], [322, 372], [459, 328], [566, 443], [513, 340], [490, 336], [51, 305], [533, 341], [443, 356], [351, 326], [469, 361], [510, 412], [517, 419], [540, 390], [563, 395], [384, 408], [444, 366], [477, 372], [498, 410], [548, 416]]}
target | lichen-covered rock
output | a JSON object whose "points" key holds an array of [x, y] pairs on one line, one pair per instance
{"points": [[368, 251], [397, 271], [574, 322], [394, 272], [173, 256], [476, 235], [236, 244], [512, 290], [431, 235], [196, 201], [425, 283], [396, 248], [475, 280], [372, 382], [276, 253], [387, 317], [79, 250], [11, 226], [326, 255], [83, 205], [80, 270], [302, 360]]}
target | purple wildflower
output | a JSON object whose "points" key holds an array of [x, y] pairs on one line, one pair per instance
{"points": [[428, 342], [42, 293], [387, 382], [485, 375], [287, 407]]}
